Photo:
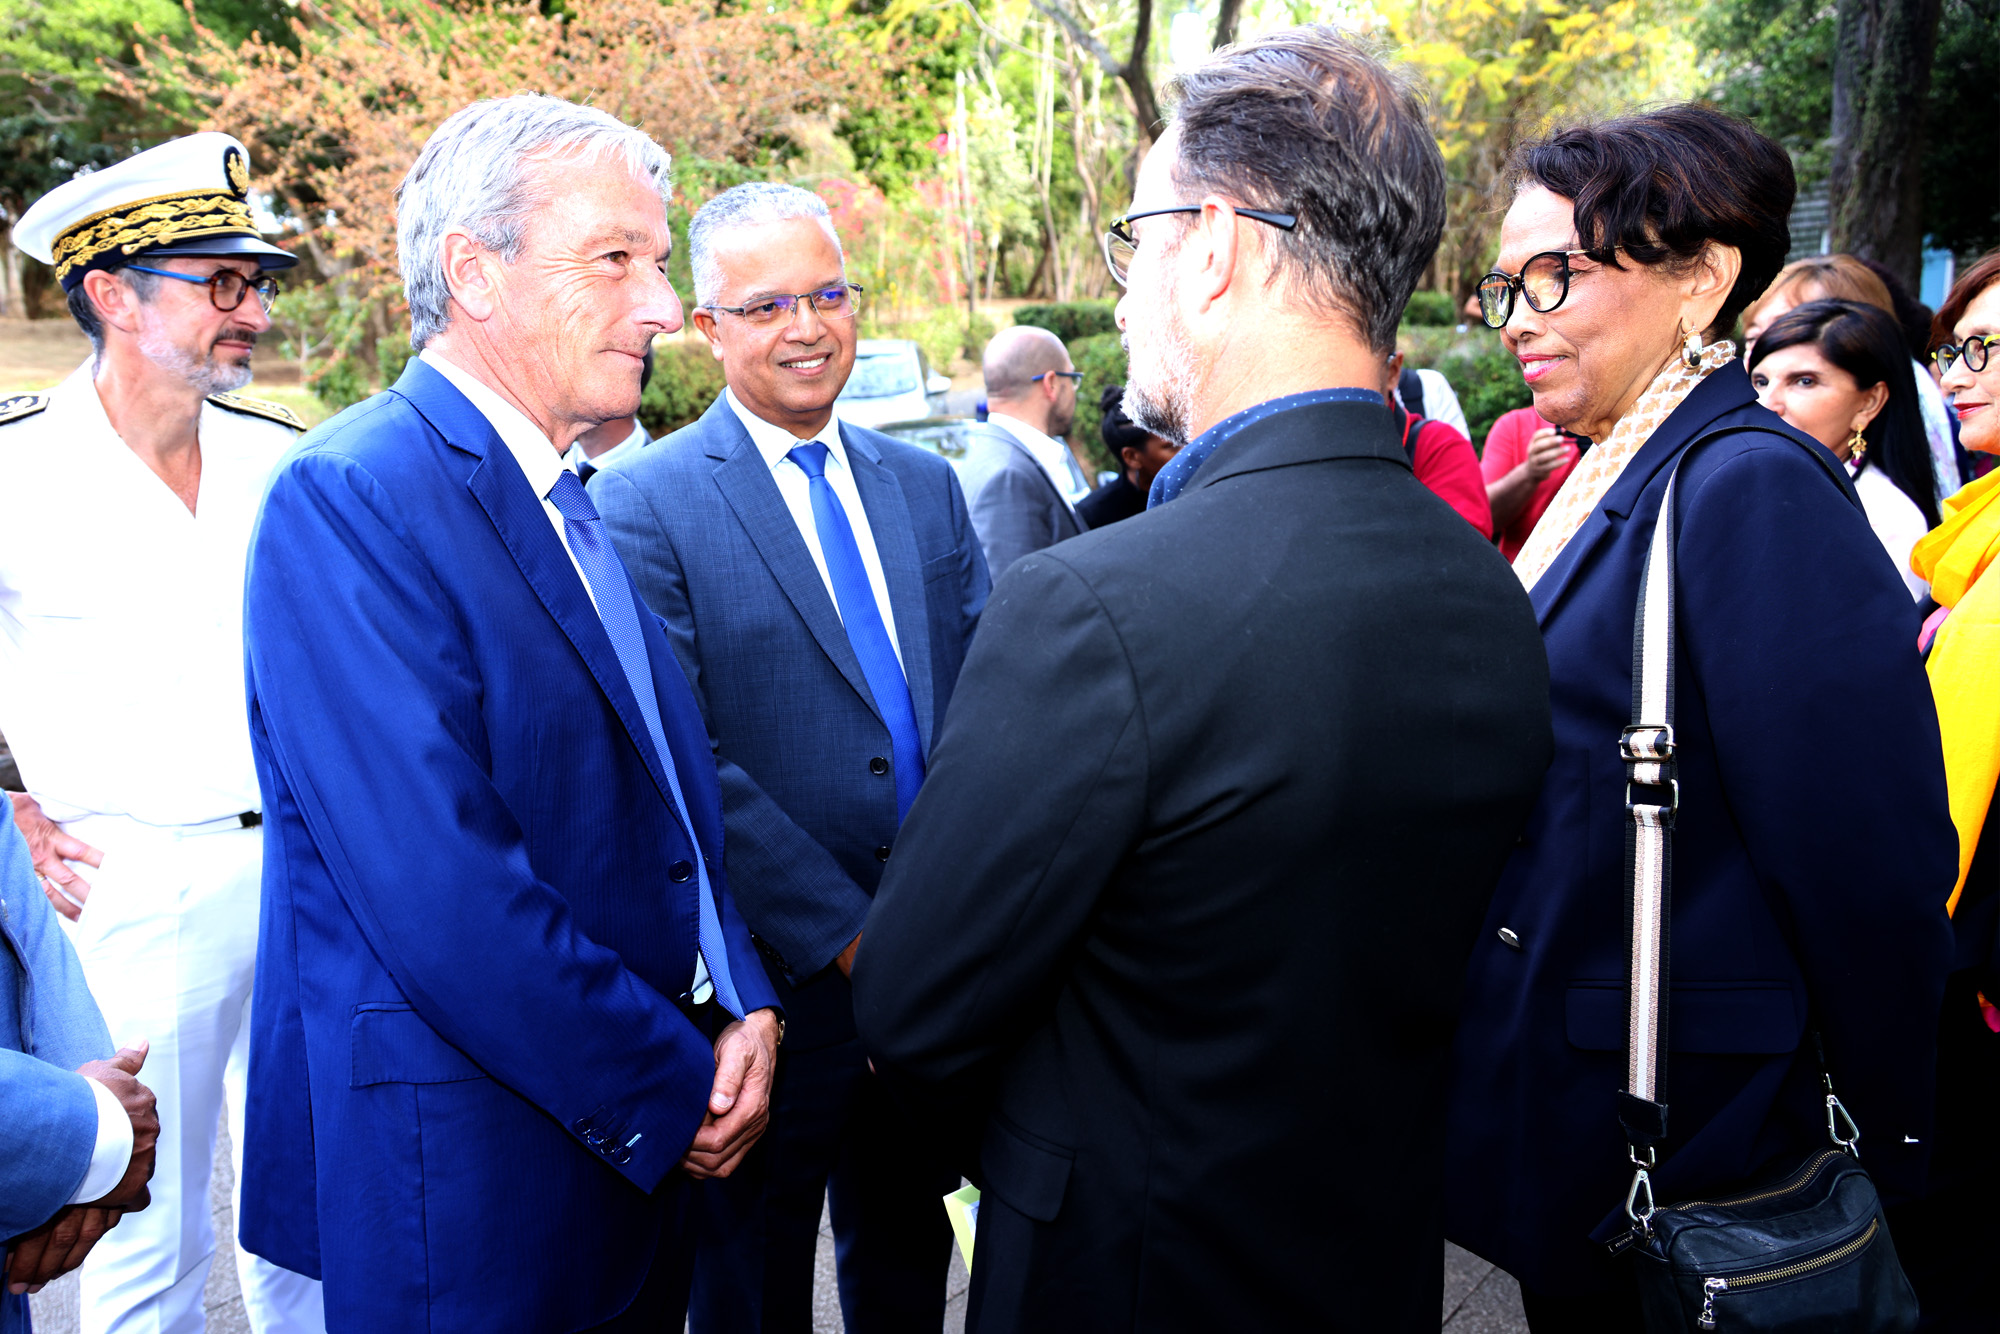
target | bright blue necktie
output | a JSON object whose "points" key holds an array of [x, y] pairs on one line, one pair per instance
{"points": [[613, 590], [863, 620]]}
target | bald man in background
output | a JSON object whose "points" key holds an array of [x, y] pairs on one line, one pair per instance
{"points": [[1025, 482]]}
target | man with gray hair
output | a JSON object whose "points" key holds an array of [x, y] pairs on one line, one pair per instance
{"points": [[1028, 481], [820, 582], [506, 1009], [1280, 732]]}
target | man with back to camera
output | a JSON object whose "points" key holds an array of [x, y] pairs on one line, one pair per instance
{"points": [[127, 496], [1025, 483], [1140, 454], [821, 582], [506, 1008], [1201, 927]]}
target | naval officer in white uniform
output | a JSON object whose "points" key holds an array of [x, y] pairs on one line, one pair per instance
{"points": [[127, 495]]}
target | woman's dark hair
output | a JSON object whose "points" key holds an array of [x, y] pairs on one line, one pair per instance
{"points": [[1658, 186], [1912, 314], [1120, 432], [1868, 343], [1983, 274]]}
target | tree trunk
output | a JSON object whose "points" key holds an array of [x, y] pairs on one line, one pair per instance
{"points": [[1226, 19], [1141, 82], [1881, 80]]}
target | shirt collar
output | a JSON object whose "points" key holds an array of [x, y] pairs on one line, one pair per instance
{"points": [[1181, 468], [576, 458], [775, 442], [535, 452]]}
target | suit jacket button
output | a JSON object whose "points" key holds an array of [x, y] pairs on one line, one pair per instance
{"points": [[878, 766], [680, 872], [1509, 939], [619, 1156], [882, 853]]}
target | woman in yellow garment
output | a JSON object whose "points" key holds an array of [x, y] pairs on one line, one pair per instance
{"points": [[1949, 1239]]}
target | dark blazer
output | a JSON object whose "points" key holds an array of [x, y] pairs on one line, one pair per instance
{"points": [[1016, 509], [808, 798], [1116, 499], [1812, 857], [466, 1074], [1192, 883]]}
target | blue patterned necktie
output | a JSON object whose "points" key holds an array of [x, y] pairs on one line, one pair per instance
{"points": [[863, 621], [615, 607]]}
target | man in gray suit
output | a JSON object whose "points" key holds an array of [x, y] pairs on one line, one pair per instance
{"points": [[1027, 481]]}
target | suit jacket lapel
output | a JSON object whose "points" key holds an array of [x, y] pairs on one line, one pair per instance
{"points": [[524, 529], [746, 483], [1723, 391], [896, 546]]}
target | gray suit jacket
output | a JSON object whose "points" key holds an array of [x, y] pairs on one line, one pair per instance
{"points": [[1017, 509]]}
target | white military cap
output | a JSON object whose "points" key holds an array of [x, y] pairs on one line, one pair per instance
{"points": [[186, 197]]}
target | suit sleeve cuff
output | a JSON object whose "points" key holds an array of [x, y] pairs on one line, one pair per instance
{"points": [[113, 1153]]}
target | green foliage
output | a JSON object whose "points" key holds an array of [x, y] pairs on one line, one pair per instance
{"points": [[924, 47], [1101, 358], [1071, 320], [1482, 372], [1772, 64], [1962, 149], [941, 332], [686, 380], [1431, 309]]}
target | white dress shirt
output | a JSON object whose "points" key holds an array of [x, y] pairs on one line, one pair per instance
{"points": [[1897, 522], [536, 454], [113, 1151], [775, 444], [1052, 454], [121, 613]]}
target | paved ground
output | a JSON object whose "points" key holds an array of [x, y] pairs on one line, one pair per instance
{"points": [[1478, 1299]]}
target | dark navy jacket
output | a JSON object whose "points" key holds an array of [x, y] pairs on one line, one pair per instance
{"points": [[807, 795], [466, 1071], [1812, 859]]}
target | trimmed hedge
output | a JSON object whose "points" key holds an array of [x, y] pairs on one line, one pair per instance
{"points": [[1101, 358], [1430, 310], [686, 379], [1071, 320]]}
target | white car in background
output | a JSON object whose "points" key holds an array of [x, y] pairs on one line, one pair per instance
{"points": [[892, 382]]}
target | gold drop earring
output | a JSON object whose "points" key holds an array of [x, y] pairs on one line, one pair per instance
{"points": [[1691, 351], [1857, 445]]}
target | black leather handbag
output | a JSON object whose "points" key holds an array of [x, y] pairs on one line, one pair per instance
{"points": [[1806, 1251]]}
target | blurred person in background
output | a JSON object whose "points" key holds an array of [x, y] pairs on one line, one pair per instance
{"points": [[1840, 372], [1622, 243], [1140, 454], [1845, 278], [1428, 394], [1525, 463], [1950, 1238], [1439, 454], [1022, 480], [614, 439]]}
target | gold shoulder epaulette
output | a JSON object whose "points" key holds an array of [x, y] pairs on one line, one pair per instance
{"points": [[258, 407], [21, 405]]}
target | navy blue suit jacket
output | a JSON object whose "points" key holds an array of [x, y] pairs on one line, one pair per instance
{"points": [[810, 808], [466, 1072], [1812, 858]]}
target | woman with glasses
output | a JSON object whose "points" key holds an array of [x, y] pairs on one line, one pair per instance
{"points": [[1840, 372], [1792, 904], [1954, 1233]]}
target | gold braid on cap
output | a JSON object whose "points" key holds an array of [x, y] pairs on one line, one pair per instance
{"points": [[146, 223]]}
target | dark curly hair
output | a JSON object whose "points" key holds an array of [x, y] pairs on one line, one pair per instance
{"points": [[1658, 186]]}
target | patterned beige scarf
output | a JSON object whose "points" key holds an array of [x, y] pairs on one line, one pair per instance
{"points": [[1600, 467]]}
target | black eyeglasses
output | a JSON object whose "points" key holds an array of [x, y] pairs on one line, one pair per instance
{"points": [[1061, 375], [1120, 245], [832, 303], [1973, 349], [1543, 280], [226, 287]]}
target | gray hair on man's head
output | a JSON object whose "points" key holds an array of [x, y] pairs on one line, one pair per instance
{"points": [[477, 174], [750, 205]]}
